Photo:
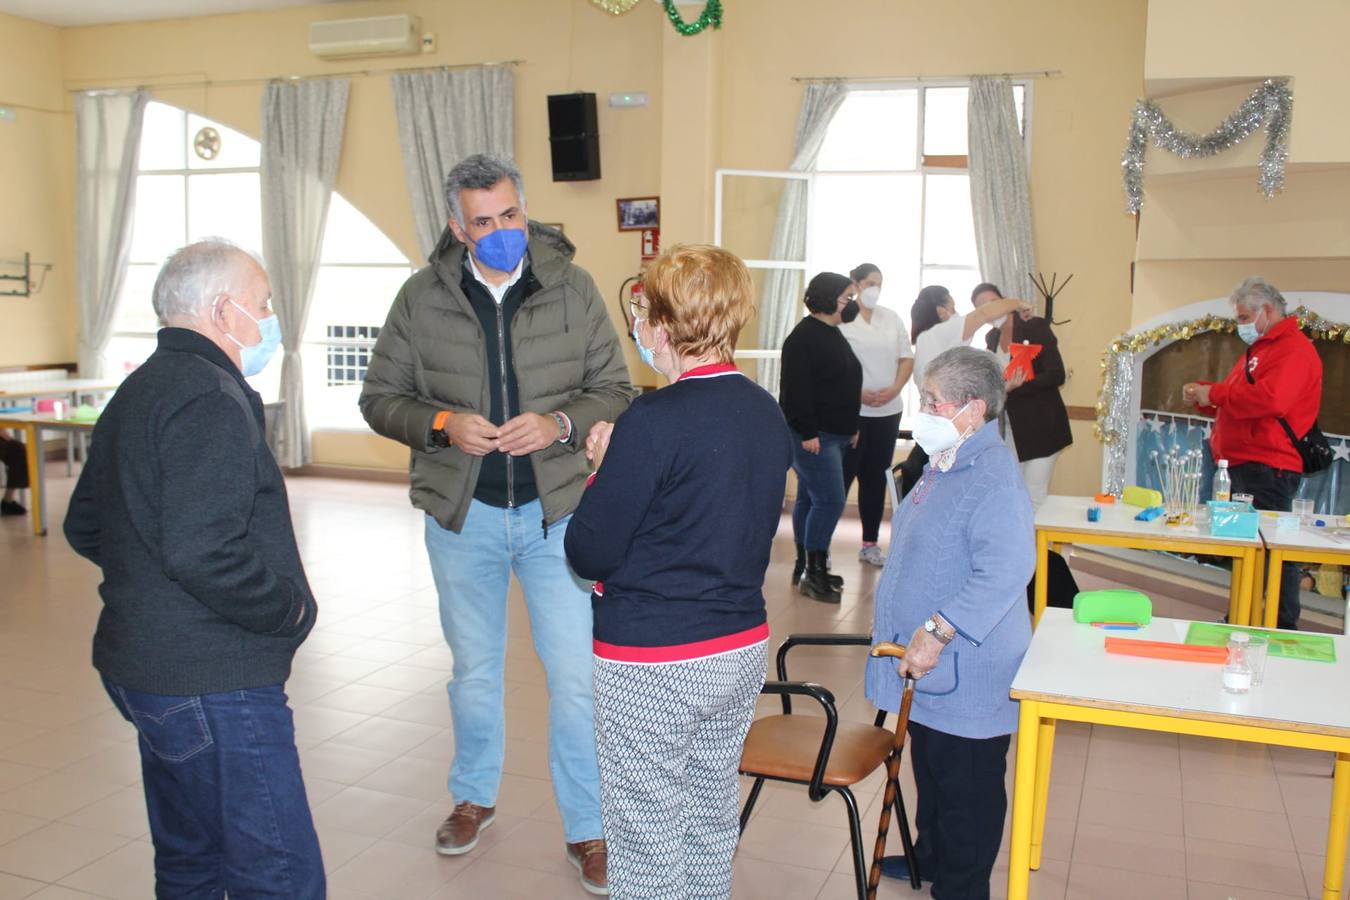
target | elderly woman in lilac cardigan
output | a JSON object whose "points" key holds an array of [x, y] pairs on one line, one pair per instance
{"points": [[954, 591]]}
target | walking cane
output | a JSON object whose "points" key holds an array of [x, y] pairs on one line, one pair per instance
{"points": [[894, 651]]}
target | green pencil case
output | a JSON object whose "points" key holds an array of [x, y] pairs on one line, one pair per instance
{"points": [[1112, 606]]}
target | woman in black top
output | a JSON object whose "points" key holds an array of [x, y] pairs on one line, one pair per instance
{"points": [[821, 383]]}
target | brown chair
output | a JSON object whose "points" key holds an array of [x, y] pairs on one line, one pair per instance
{"points": [[823, 753]]}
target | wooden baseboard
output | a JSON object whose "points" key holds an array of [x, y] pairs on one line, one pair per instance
{"points": [[352, 473]]}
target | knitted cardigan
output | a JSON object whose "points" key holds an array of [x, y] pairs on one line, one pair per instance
{"points": [[963, 545]]}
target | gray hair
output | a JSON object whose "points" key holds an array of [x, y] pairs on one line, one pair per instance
{"points": [[962, 374], [480, 172], [195, 275], [1256, 292]]}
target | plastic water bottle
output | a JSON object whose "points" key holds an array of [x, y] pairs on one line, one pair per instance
{"points": [[1237, 674], [1223, 485]]}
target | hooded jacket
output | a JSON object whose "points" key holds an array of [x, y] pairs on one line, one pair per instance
{"points": [[431, 355], [1286, 382]]}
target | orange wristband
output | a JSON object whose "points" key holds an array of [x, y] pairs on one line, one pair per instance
{"points": [[438, 423]]}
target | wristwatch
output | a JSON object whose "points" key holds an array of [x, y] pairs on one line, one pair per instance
{"points": [[931, 626], [438, 438], [564, 427]]}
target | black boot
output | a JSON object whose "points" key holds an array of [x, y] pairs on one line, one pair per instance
{"points": [[799, 566], [836, 581], [814, 584]]}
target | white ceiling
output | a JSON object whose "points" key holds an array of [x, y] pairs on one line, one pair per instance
{"points": [[100, 12]]}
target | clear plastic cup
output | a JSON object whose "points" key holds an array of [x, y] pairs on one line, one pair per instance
{"points": [[1258, 648], [1243, 498], [1303, 509]]}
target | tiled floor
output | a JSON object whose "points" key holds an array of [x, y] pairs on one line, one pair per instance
{"points": [[1132, 814]]}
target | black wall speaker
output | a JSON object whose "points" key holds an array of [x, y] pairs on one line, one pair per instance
{"points": [[574, 137]]}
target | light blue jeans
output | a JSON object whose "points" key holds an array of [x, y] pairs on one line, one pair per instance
{"points": [[472, 571]]}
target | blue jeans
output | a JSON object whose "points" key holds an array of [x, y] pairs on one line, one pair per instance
{"points": [[227, 806], [820, 490], [472, 571]]}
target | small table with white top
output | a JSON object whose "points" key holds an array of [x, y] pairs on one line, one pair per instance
{"points": [[1306, 544], [1067, 675], [1063, 520], [33, 425]]}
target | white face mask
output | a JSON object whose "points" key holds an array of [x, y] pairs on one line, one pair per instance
{"points": [[936, 433], [869, 296]]}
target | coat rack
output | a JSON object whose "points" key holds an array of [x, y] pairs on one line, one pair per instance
{"points": [[28, 289]]}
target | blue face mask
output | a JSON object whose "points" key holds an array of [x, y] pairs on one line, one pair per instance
{"points": [[502, 249], [1248, 332], [253, 360], [646, 354]]}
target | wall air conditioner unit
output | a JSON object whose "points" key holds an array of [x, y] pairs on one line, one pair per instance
{"points": [[375, 36]]}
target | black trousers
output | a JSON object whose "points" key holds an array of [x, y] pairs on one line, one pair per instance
{"points": [[868, 463], [14, 456], [962, 802], [1273, 488]]}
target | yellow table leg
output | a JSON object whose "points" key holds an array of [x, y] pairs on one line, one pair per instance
{"points": [[1274, 560], [1045, 750], [1334, 873], [1024, 801], [35, 493], [1245, 581], [1259, 588], [1042, 576], [1235, 590]]}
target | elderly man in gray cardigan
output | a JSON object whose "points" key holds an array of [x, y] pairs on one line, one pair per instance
{"points": [[954, 591]]}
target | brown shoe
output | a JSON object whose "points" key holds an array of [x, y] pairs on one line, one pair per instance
{"points": [[592, 861], [459, 832]]}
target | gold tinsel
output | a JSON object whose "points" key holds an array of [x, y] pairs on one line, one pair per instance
{"points": [[1113, 399]]}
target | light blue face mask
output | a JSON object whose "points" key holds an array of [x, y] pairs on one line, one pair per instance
{"points": [[1248, 332], [253, 360], [646, 354]]}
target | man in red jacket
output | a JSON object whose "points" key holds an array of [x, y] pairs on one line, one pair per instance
{"points": [[1280, 377]]}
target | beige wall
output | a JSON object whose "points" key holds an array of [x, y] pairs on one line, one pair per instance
{"points": [[37, 160], [724, 99]]}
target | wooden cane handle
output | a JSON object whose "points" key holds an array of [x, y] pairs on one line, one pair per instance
{"points": [[887, 648]]}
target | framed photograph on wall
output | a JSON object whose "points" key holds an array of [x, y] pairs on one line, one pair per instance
{"points": [[637, 213]]}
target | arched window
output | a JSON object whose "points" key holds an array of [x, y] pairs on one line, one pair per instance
{"points": [[181, 196]]}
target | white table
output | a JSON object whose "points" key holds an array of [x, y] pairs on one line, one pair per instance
{"points": [[70, 390], [1307, 544], [1068, 676], [33, 425], [1063, 520]]}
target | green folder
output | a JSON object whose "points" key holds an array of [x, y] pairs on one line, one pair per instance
{"points": [[1289, 644], [1112, 606]]}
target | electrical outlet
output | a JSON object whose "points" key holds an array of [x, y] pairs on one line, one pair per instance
{"points": [[428, 42]]}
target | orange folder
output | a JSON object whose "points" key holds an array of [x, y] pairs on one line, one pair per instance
{"points": [[1167, 650], [1022, 355]]}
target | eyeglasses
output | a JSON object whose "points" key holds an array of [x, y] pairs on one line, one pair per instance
{"points": [[929, 404], [638, 310]]}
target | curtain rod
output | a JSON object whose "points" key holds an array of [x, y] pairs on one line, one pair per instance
{"points": [[353, 73], [876, 79]]}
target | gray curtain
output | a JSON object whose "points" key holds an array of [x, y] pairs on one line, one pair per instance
{"points": [[442, 118], [108, 144], [1000, 193], [781, 302], [302, 125]]}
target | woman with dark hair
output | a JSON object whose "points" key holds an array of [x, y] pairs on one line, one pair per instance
{"points": [[935, 327], [821, 383], [1037, 418], [880, 342]]}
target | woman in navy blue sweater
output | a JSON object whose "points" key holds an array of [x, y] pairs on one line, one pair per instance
{"points": [[676, 529]]}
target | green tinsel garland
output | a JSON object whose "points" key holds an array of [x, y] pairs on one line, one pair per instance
{"points": [[711, 15]]}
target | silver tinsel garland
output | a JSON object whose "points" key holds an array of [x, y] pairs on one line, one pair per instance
{"points": [[1271, 105]]}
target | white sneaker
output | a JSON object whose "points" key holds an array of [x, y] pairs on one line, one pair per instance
{"points": [[872, 555]]}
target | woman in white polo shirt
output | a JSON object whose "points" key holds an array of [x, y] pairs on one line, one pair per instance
{"points": [[879, 340], [935, 326]]}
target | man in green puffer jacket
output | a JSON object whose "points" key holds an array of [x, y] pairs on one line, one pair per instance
{"points": [[492, 366]]}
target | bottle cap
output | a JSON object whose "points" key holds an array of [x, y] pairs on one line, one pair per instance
{"points": [[1240, 637], [1223, 464]]}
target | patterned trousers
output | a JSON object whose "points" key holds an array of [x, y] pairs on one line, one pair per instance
{"points": [[668, 739]]}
